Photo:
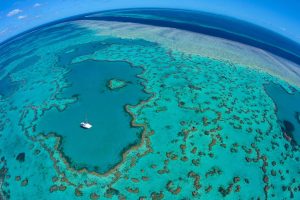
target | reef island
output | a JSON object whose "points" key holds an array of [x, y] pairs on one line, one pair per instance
{"points": [[114, 84]]}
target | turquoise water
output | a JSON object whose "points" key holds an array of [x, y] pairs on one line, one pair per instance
{"points": [[209, 131], [288, 109], [99, 148], [7, 87]]}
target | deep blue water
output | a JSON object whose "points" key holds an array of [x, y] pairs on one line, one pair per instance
{"points": [[288, 109], [202, 22], [212, 24]]}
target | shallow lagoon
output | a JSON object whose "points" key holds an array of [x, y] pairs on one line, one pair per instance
{"points": [[287, 109], [100, 147]]}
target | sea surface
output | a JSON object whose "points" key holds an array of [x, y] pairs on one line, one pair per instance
{"points": [[288, 110], [100, 147], [184, 126]]}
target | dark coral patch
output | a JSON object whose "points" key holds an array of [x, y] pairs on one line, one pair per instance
{"points": [[223, 191], [21, 157], [110, 192], [288, 128]]}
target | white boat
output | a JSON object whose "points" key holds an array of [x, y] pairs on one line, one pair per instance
{"points": [[86, 125]]}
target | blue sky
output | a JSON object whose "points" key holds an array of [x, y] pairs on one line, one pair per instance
{"points": [[282, 16]]}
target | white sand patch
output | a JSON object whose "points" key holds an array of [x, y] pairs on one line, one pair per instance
{"points": [[200, 44]]}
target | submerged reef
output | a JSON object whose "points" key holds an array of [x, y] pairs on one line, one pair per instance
{"points": [[207, 128], [21, 157], [114, 84], [288, 131]]}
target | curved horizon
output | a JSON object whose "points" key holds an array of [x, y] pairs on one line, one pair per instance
{"points": [[173, 96], [209, 29], [280, 17]]}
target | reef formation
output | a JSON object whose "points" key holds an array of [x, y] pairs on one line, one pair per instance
{"points": [[207, 128], [114, 84]]}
